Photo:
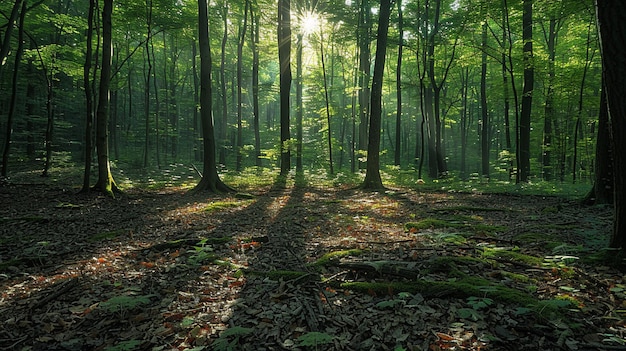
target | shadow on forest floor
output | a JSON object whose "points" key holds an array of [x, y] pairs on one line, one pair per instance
{"points": [[303, 268]]}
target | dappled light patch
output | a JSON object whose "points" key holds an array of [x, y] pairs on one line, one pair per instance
{"points": [[294, 267]]}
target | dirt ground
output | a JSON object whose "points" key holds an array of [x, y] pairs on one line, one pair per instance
{"points": [[304, 268]]}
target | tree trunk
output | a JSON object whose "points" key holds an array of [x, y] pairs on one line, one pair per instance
{"points": [[242, 39], [299, 104], [602, 191], [105, 181], [223, 121], [612, 28], [255, 31], [6, 41], [549, 107], [88, 97], [527, 93], [284, 53], [373, 180], [485, 132], [326, 100], [398, 149], [12, 107], [210, 179], [364, 34]]}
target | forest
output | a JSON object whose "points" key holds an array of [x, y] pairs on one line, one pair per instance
{"points": [[312, 175]]}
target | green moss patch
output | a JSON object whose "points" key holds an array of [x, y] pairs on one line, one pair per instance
{"points": [[224, 205], [509, 254], [335, 255]]}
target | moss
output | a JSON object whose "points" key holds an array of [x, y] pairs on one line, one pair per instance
{"points": [[516, 276], [431, 223], [462, 288], [511, 255], [335, 255], [450, 264]]}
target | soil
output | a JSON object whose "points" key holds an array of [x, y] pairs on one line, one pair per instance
{"points": [[304, 268]]}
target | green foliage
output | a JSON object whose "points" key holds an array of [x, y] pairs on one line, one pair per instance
{"points": [[225, 204], [123, 303]]}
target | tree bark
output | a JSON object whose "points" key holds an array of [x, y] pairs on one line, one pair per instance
{"points": [[210, 179], [13, 101], [612, 27], [284, 53], [373, 180], [398, 149], [105, 181], [527, 93], [88, 97], [485, 132]]}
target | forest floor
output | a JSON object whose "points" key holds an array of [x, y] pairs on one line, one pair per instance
{"points": [[303, 267]]}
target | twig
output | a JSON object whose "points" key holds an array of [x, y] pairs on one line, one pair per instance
{"points": [[196, 169], [62, 289]]}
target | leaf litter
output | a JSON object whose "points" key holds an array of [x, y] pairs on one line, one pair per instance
{"points": [[304, 268]]}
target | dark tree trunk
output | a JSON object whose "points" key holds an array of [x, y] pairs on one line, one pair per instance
{"points": [[223, 120], [372, 176], [284, 53], [612, 27], [105, 181], [326, 100], [602, 191], [256, 23], [485, 131], [527, 93], [299, 105], [88, 97], [5, 45], [210, 179], [549, 107], [13, 102], [398, 149]]}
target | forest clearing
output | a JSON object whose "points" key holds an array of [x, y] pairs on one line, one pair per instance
{"points": [[303, 266]]}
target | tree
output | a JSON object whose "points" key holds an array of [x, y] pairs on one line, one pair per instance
{"points": [[105, 181], [88, 97], [372, 172], [612, 27], [399, 86], [527, 94], [16, 66], [210, 179], [284, 58]]}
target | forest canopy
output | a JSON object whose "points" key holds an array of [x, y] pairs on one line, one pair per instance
{"points": [[452, 89]]}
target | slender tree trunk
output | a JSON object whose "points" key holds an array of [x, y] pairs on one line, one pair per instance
{"points": [[602, 191], [527, 93], [242, 40], [196, 103], [299, 104], [464, 99], [326, 99], [88, 97], [485, 131], [284, 53], [6, 41], [223, 125], [13, 102], [549, 107], [398, 148], [210, 179], [364, 34], [372, 176], [105, 181], [255, 32], [505, 84]]}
